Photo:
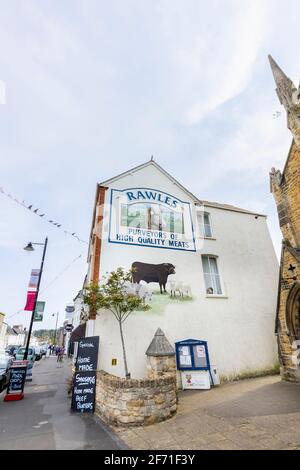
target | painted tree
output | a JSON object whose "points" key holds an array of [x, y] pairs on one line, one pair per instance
{"points": [[113, 296]]}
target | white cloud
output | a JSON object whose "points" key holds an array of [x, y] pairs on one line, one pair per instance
{"points": [[214, 51]]}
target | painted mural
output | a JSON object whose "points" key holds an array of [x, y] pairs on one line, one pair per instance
{"points": [[157, 285], [150, 218]]}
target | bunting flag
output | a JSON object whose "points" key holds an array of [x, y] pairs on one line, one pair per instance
{"points": [[31, 296], [34, 279], [34, 210]]}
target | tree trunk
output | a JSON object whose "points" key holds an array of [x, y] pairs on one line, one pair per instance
{"points": [[124, 351]]}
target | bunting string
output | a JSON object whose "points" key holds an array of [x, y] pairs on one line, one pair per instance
{"points": [[51, 282], [32, 208]]}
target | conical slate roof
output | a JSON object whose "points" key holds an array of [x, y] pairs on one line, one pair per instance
{"points": [[160, 346]]}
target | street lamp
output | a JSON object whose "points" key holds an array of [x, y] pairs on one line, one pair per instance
{"points": [[55, 333], [29, 247]]}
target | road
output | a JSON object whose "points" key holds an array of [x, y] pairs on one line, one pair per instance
{"points": [[43, 420]]}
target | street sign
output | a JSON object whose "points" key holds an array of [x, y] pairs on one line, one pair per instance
{"points": [[70, 309], [69, 328], [16, 382]]}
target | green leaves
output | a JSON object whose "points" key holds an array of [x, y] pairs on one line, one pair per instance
{"points": [[112, 295]]}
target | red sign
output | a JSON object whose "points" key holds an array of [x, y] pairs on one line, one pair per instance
{"points": [[31, 296]]}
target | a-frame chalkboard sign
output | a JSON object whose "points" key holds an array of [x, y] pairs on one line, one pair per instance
{"points": [[16, 382], [84, 380]]}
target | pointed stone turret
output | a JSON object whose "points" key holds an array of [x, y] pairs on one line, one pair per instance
{"points": [[160, 357], [289, 97], [278, 74], [160, 346]]}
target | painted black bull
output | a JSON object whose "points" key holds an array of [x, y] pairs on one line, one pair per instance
{"points": [[152, 273]]}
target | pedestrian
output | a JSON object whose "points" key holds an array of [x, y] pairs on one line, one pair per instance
{"points": [[60, 354]]}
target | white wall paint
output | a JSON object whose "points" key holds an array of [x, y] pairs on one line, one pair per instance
{"points": [[239, 328]]}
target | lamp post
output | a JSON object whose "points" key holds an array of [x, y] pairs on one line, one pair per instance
{"points": [[29, 247], [55, 333]]}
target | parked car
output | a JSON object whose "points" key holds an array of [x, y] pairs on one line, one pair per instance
{"points": [[21, 351], [30, 357], [6, 361], [38, 353], [11, 349], [44, 348]]}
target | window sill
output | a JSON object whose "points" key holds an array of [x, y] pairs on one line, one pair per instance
{"points": [[216, 296], [207, 238]]}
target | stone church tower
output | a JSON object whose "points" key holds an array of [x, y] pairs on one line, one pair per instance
{"points": [[285, 187]]}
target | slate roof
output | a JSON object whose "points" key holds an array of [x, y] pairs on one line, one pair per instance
{"points": [[160, 346]]}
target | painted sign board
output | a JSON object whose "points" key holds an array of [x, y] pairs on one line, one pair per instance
{"points": [[16, 382], [84, 379], [87, 354], [195, 379], [150, 218], [84, 387]]}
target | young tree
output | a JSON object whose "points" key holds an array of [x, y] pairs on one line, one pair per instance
{"points": [[112, 295]]}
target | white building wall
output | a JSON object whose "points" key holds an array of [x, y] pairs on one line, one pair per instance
{"points": [[3, 328], [77, 311], [239, 325]]}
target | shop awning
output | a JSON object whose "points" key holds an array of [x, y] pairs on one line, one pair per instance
{"points": [[78, 333]]}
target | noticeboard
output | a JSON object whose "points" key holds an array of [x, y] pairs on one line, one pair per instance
{"points": [[192, 354], [17, 377], [84, 388], [87, 354]]}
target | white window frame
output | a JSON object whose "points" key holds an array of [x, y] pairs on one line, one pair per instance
{"points": [[201, 225], [222, 294]]}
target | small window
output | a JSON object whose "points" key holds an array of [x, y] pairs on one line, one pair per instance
{"points": [[205, 225], [211, 275]]}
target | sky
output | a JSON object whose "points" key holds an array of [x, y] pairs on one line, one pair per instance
{"points": [[89, 89]]}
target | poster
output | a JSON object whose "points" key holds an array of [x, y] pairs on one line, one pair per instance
{"points": [[150, 217], [199, 380], [200, 351], [185, 360], [185, 350]]}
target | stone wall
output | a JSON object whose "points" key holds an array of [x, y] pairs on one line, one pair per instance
{"points": [[135, 402], [285, 189], [161, 366]]}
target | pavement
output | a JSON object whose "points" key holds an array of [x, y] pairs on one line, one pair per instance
{"points": [[260, 413], [43, 420]]}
